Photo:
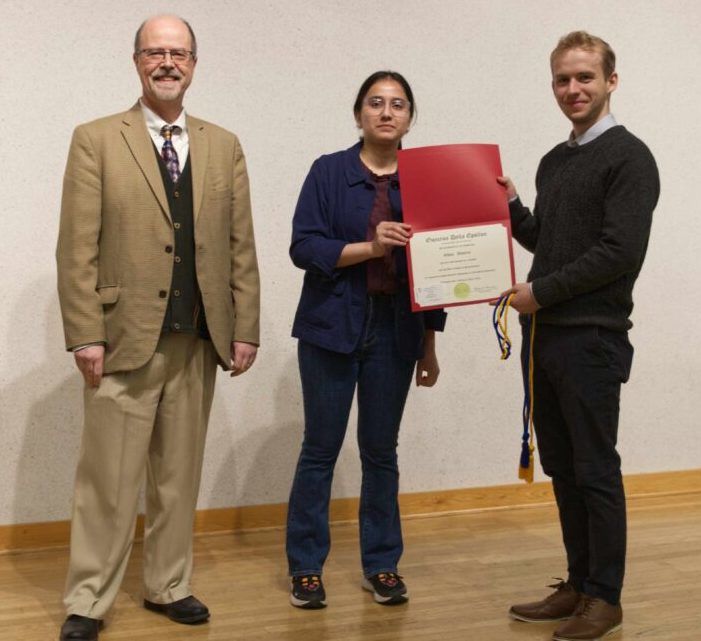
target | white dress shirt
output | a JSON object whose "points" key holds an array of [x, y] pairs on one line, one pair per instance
{"points": [[181, 142]]}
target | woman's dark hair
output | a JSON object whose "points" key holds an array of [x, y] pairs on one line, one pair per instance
{"points": [[384, 75]]}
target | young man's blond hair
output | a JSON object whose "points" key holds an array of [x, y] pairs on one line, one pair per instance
{"points": [[584, 40]]}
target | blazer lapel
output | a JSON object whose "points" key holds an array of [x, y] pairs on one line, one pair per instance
{"points": [[199, 157], [139, 141]]}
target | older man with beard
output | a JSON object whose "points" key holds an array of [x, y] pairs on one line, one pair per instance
{"points": [[158, 283]]}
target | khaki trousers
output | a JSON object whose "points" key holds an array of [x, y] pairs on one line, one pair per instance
{"points": [[150, 422]]}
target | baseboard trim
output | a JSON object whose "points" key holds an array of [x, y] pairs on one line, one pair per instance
{"points": [[33, 536]]}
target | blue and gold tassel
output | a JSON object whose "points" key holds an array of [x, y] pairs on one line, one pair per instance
{"points": [[500, 323]]}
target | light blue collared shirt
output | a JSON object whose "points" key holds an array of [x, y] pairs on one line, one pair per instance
{"points": [[593, 132]]}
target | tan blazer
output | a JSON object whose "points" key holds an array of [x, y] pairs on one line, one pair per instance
{"points": [[113, 269]]}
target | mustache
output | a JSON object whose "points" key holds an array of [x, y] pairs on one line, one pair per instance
{"points": [[167, 74]]}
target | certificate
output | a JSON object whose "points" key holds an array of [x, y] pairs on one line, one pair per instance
{"points": [[460, 252], [459, 265]]}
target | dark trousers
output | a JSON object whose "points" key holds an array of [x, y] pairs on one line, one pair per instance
{"points": [[578, 372], [382, 378]]}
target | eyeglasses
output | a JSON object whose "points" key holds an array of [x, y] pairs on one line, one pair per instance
{"points": [[159, 55], [398, 106]]}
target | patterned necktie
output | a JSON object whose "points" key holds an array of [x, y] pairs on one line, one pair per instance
{"points": [[168, 153]]}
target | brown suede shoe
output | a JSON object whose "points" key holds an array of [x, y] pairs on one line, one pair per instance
{"points": [[561, 604], [592, 620]]}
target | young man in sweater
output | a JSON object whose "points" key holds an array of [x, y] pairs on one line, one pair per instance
{"points": [[588, 232]]}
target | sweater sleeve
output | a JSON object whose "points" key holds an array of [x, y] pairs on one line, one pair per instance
{"points": [[630, 199], [313, 246], [525, 226]]}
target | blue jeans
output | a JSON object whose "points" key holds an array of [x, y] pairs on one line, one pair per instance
{"points": [[329, 380]]}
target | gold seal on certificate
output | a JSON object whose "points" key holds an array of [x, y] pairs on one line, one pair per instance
{"points": [[460, 250], [460, 265]]}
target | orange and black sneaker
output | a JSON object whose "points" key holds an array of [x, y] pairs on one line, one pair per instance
{"points": [[308, 592], [387, 588]]}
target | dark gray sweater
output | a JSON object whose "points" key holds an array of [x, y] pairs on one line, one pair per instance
{"points": [[589, 229]]}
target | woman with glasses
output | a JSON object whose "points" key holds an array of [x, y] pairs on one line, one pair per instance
{"points": [[356, 331]]}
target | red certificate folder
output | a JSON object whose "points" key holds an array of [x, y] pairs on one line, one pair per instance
{"points": [[453, 186]]}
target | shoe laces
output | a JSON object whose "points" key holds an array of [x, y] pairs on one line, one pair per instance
{"points": [[558, 587], [310, 582], [390, 579], [584, 607]]}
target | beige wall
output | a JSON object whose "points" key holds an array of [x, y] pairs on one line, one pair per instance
{"points": [[283, 75]]}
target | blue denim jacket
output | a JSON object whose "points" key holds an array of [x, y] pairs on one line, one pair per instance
{"points": [[333, 210]]}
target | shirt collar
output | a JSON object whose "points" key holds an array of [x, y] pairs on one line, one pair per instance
{"points": [[593, 132], [154, 123]]}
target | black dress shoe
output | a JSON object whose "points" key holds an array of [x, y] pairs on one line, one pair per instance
{"points": [[188, 610], [78, 628]]}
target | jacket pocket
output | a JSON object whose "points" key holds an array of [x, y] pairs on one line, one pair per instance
{"points": [[323, 302], [323, 285], [108, 294]]}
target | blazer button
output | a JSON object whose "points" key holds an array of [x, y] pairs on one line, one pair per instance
{"points": [[176, 225], [177, 259], [163, 293], [176, 194], [176, 292], [169, 249]]}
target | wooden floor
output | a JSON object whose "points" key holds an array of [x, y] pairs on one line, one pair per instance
{"points": [[463, 571]]}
